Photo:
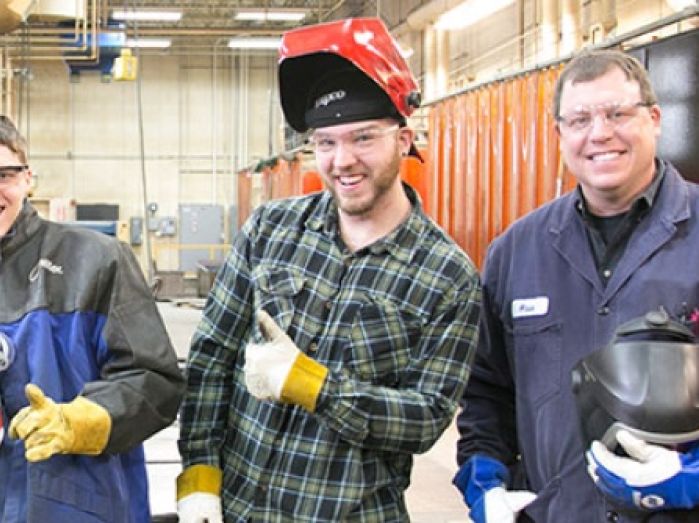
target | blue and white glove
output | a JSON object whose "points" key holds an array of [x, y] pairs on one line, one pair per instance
{"points": [[482, 482], [652, 478]]}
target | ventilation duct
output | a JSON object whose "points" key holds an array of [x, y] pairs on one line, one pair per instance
{"points": [[53, 10], [13, 13]]}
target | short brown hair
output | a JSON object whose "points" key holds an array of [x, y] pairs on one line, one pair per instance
{"points": [[589, 65], [12, 139]]}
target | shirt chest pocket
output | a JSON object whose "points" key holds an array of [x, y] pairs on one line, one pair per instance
{"points": [[277, 292], [537, 359], [381, 338]]}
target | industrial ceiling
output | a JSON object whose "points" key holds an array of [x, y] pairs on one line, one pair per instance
{"points": [[203, 23]]}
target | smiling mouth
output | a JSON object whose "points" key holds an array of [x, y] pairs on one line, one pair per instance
{"points": [[606, 156], [350, 181]]}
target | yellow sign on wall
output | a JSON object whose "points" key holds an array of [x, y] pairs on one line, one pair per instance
{"points": [[125, 66]]}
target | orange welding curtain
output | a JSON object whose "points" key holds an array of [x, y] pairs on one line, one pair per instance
{"points": [[493, 156]]}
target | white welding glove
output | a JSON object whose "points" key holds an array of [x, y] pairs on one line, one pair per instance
{"points": [[267, 365], [651, 478], [198, 499], [200, 508], [502, 506], [481, 480], [279, 371]]}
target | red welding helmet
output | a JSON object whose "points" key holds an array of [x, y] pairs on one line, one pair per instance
{"points": [[309, 54]]}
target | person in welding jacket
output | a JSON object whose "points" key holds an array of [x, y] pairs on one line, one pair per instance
{"points": [[336, 339], [87, 371]]}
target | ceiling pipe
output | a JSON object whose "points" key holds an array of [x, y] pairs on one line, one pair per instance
{"points": [[6, 86], [427, 14], [39, 42], [173, 31], [442, 64], [204, 31], [13, 13], [549, 30], [331, 10], [93, 47], [429, 54], [570, 24]]}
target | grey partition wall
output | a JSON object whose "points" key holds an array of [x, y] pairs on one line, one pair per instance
{"points": [[673, 65]]}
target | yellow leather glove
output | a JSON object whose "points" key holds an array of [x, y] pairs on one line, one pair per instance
{"points": [[199, 495], [47, 428], [278, 370]]}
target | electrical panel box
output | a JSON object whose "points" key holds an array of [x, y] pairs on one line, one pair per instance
{"points": [[153, 223], [167, 226], [135, 230], [201, 234]]}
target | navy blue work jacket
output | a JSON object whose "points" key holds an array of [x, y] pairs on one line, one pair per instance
{"points": [[519, 400]]}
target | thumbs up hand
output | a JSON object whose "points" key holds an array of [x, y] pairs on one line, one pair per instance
{"points": [[278, 370], [47, 428]]}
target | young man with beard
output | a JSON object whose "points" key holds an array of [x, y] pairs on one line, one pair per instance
{"points": [[338, 335], [556, 285]]}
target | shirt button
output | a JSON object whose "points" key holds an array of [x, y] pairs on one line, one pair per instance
{"points": [[603, 311], [612, 516], [606, 273]]}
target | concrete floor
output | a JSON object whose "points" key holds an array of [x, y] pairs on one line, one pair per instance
{"points": [[431, 498]]}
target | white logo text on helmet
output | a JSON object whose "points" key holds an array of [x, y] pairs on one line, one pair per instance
{"points": [[328, 98]]}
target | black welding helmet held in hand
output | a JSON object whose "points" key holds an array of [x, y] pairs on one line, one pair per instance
{"points": [[645, 381]]}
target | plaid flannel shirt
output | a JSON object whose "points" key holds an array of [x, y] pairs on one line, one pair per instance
{"points": [[395, 323]]}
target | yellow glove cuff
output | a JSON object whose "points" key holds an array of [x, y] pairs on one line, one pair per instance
{"points": [[90, 423], [304, 382], [199, 478]]}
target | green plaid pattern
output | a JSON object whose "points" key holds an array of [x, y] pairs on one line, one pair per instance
{"points": [[395, 323]]}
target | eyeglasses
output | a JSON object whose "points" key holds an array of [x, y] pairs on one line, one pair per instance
{"points": [[616, 114], [359, 141], [8, 173]]}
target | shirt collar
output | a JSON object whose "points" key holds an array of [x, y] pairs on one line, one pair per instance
{"points": [[401, 242], [644, 201]]}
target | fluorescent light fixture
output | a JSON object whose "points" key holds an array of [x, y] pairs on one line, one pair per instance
{"points": [[470, 12], [150, 43], [286, 16], [270, 15], [147, 15], [255, 42], [678, 5]]}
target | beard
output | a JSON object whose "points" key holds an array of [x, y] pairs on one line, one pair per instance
{"points": [[381, 181]]}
